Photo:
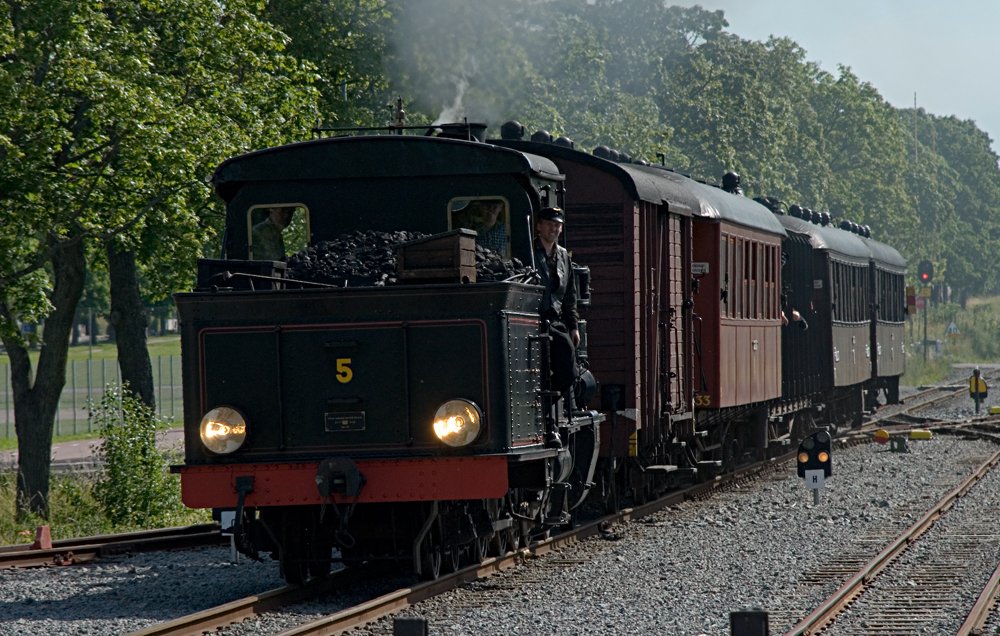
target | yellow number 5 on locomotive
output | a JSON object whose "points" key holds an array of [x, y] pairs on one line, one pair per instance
{"points": [[344, 372]]}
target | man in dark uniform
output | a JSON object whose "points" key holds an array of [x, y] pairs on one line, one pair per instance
{"points": [[556, 272]]}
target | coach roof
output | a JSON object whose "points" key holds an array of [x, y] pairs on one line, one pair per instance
{"points": [[682, 194], [829, 238]]}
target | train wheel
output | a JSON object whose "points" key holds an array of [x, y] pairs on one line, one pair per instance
{"points": [[803, 424], [517, 533], [430, 561], [641, 487], [303, 551], [733, 454], [481, 547], [292, 562], [432, 553], [452, 557], [516, 536], [501, 540], [320, 562]]}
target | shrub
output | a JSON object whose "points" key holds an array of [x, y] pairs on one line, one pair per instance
{"points": [[134, 488]]}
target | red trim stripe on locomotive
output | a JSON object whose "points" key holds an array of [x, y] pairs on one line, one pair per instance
{"points": [[386, 480]]}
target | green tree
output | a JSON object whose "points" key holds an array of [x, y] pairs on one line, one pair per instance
{"points": [[111, 117], [346, 41]]}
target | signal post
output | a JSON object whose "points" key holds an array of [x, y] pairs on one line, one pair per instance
{"points": [[815, 463], [925, 273]]}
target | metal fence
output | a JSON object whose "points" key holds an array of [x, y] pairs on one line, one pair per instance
{"points": [[85, 382]]}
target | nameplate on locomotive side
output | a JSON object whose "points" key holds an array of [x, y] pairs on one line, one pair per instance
{"points": [[344, 422]]}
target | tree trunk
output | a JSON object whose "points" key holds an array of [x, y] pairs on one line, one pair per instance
{"points": [[37, 399], [130, 319]]}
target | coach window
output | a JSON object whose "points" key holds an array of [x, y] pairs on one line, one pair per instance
{"points": [[860, 294], [736, 280], [847, 294], [740, 279], [724, 274], [276, 231], [488, 216], [769, 284], [836, 292]]}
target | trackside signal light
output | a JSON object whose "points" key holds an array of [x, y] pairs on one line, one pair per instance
{"points": [[814, 454], [925, 271]]}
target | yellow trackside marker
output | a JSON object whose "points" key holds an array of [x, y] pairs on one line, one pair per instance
{"points": [[919, 433]]}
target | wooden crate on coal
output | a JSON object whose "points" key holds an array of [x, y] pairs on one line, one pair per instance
{"points": [[449, 257]]}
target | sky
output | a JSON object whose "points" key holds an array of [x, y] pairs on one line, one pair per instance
{"points": [[946, 52]]}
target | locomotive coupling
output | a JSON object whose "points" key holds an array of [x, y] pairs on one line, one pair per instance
{"points": [[339, 475]]}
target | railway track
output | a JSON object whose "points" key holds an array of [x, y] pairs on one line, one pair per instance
{"points": [[83, 549], [396, 600], [862, 606], [984, 610]]}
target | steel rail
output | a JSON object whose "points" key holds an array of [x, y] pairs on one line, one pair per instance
{"points": [[219, 616], [387, 604], [83, 549], [827, 611], [975, 622], [400, 599]]}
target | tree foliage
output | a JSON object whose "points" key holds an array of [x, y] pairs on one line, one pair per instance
{"points": [[112, 115], [655, 80]]}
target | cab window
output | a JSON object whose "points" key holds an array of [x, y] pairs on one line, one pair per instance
{"points": [[488, 216], [276, 231]]}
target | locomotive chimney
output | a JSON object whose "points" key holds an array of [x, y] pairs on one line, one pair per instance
{"points": [[463, 130]]}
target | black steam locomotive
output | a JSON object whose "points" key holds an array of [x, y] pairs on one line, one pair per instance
{"points": [[411, 411]]}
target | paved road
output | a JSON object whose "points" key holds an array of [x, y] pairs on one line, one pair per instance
{"points": [[83, 450]]}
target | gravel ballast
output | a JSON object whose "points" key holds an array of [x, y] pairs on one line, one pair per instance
{"points": [[680, 571], [683, 571]]}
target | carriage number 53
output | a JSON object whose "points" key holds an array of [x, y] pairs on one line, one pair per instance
{"points": [[344, 372]]}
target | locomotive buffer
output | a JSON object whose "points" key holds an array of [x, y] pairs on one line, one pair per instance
{"points": [[815, 461]]}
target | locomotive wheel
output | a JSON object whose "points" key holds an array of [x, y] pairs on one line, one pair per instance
{"points": [[431, 553], [292, 563], [303, 550], [516, 534], [320, 563], [501, 540], [430, 563], [452, 558], [641, 487], [495, 540], [481, 547]]}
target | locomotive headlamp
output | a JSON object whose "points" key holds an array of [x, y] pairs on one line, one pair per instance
{"points": [[223, 430], [458, 422]]}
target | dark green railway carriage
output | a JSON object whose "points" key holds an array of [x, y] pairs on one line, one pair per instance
{"points": [[887, 307], [828, 282]]}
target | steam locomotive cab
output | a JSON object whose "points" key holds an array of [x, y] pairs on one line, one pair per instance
{"points": [[391, 412]]}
